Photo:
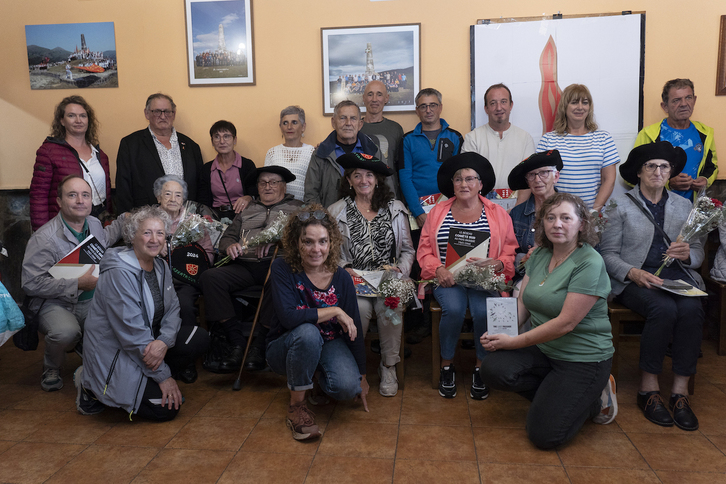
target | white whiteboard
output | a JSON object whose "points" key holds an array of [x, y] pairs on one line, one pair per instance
{"points": [[604, 53]]}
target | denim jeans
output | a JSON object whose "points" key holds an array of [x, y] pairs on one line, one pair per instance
{"points": [[300, 352], [668, 317], [564, 394], [454, 301]]}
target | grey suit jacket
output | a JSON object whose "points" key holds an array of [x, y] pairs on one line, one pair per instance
{"points": [[628, 235]]}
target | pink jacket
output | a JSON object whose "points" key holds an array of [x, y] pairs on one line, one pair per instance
{"points": [[502, 241], [54, 160]]}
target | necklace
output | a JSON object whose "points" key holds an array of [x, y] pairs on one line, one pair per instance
{"points": [[557, 264]]}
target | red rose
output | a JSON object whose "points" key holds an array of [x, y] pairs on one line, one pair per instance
{"points": [[717, 203], [392, 302]]}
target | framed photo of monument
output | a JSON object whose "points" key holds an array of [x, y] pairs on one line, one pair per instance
{"points": [[220, 49], [72, 56], [354, 56]]}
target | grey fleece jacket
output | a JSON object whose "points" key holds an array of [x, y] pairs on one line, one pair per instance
{"points": [[118, 329]]}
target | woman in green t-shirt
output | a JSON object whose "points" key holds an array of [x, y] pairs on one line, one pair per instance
{"points": [[562, 365]]}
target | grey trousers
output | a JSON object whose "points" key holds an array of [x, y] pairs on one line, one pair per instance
{"points": [[63, 329]]}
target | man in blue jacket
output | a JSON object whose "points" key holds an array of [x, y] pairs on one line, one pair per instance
{"points": [[424, 148]]}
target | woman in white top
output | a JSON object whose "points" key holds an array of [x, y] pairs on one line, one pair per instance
{"points": [[589, 155], [292, 154]]}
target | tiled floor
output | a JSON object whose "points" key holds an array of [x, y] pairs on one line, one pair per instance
{"points": [[416, 437]]}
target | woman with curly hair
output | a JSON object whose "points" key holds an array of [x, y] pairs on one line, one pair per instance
{"points": [[71, 149], [316, 327], [375, 233], [133, 341], [562, 365]]}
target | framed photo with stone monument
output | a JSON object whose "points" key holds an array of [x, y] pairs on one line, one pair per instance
{"points": [[354, 56], [220, 49], [72, 56]]}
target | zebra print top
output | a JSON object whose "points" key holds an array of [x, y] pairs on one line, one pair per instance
{"points": [[372, 244]]}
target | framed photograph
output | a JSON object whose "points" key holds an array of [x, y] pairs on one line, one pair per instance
{"points": [[72, 56], [354, 56], [220, 50], [721, 70]]}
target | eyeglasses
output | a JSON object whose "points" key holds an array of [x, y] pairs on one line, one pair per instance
{"points": [[225, 137], [663, 167], [543, 175], [426, 107], [272, 184], [162, 112], [468, 180], [317, 215]]}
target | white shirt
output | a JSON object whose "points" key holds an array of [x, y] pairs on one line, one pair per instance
{"points": [[170, 158], [504, 154], [95, 176]]}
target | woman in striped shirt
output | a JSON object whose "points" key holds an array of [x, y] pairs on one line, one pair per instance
{"points": [[589, 154], [463, 178]]}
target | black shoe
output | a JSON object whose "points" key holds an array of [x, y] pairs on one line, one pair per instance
{"points": [[407, 352], [233, 360], [683, 416], [467, 344], [654, 409], [417, 335], [255, 359], [86, 401], [479, 391], [447, 382], [376, 346], [188, 375]]}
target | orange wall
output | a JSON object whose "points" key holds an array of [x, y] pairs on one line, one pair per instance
{"points": [[151, 50]]}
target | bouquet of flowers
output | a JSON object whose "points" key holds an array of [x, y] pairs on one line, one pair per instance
{"points": [[600, 218], [193, 226], [478, 277], [272, 234], [705, 216], [396, 293]]}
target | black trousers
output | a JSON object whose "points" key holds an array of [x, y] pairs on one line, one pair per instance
{"points": [[668, 318]]}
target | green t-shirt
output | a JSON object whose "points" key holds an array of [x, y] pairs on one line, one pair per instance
{"points": [[583, 272], [81, 236]]}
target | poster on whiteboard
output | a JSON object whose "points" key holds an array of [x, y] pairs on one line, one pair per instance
{"points": [[537, 59]]}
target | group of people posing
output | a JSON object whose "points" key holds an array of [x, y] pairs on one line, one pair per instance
{"points": [[365, 198]]}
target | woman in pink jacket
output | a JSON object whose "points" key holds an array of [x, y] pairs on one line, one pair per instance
{"points": [[463, 178], [72, 148]]}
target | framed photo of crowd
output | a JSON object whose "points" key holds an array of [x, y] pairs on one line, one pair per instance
{"points": [[354, 56], [220, 48]]}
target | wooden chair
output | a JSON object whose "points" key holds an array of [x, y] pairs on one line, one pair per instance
{"points": [[620, 315], [710, 247], [435, 343]]}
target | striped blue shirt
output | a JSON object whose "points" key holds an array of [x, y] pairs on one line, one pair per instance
{"points": [[442, 237], [584, 157]]}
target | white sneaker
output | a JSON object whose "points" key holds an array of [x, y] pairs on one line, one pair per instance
{"points": [[389, 382], [608, 403]]}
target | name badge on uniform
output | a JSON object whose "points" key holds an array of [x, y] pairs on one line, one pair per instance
{"points": [[698, 147]]}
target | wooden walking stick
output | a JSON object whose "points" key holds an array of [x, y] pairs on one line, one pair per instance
{"points": [[237, 385]]}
